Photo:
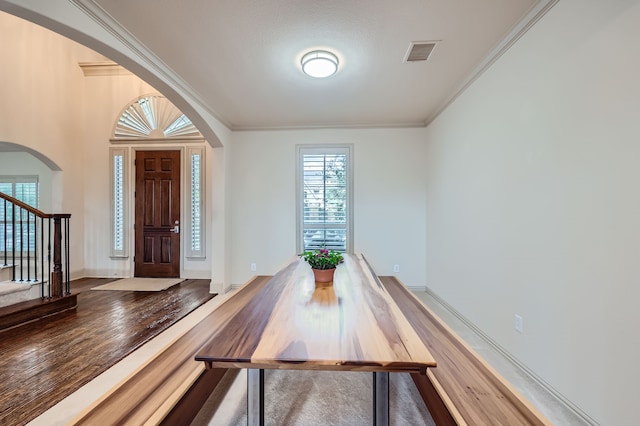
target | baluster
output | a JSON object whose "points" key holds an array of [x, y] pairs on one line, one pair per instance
{"points": [[35, 248], [21, 245], [42, 256], [13, 242], [49, 260], [6, 237], [68, 259], [28, 247]]}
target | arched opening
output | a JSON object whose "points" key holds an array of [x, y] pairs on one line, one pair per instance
{"points": [[31, 169], [90, 35]]}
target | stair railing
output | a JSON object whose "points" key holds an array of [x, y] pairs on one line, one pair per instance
{"points": [[26, 238]]}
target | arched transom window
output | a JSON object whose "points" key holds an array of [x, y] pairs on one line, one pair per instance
{"points": [[154, 117]]}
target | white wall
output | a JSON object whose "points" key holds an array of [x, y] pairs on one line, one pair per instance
{"points": [[107, 96], [532, 204], [40, 83], [218, 211], [389, 202]]}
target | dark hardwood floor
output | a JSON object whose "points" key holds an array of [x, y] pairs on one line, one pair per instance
{"points": [[43, 362]]}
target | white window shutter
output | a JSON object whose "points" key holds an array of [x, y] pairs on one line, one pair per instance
{"points": [[324, 181]]}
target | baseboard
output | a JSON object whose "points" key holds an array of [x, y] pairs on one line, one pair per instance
{"points": [[414, 288], [515, 361], [74, 275], [216, 287]]}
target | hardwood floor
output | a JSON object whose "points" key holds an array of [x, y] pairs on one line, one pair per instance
{"points": [[43, 362]]}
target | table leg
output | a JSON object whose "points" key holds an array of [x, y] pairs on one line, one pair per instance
{"points": [[255, 397], [381, 399]]}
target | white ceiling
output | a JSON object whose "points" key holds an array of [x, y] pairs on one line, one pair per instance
{"points": [[240, 59]]}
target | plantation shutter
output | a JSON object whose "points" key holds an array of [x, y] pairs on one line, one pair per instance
{"points": [[118, 205], [194, 225], [325, 198], [25, 189]]}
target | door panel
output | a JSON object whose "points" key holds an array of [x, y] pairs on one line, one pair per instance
{"points": [[157, 214]]}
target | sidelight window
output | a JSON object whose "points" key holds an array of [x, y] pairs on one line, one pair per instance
{"points": [[195, 222], [119, 202]]}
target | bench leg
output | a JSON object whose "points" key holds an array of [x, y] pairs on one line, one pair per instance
{"points": [[255, 397], [381, 399]]}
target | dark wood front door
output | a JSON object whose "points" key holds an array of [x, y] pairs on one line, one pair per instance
{"points": [[157, 223]]}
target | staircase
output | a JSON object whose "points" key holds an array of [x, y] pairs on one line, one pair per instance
{"points": [[34, 261]]}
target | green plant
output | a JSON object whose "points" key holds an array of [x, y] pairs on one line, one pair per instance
{"points": [[322, 258]]}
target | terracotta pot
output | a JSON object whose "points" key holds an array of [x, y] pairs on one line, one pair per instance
{"points": [[323, 275]]}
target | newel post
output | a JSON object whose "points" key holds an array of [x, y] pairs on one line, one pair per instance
{"points": [[56, 274]]}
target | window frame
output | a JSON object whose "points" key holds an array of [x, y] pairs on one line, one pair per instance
{"points": [[117, 252], [328, 149], [199, 209]]}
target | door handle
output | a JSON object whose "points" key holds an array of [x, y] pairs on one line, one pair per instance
{"points": [[176, 229]]}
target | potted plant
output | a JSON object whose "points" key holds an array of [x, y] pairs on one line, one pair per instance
{"points": [[323, 263]]}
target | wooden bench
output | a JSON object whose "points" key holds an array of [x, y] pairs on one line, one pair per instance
{"points": [[463, 389], [171, 388]]}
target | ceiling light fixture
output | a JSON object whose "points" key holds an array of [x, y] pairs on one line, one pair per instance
{"points": [[319, 64]]}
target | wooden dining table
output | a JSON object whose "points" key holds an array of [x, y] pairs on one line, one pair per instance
{"points": [[291, 322]]}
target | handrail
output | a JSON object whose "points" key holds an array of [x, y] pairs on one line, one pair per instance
{"points": [[33, 210], [51, 252]]}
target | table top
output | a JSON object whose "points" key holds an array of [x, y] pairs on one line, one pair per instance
{"points": [[289, 322]]}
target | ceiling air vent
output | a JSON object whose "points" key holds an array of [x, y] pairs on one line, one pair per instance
{"points": [[419, 51]]}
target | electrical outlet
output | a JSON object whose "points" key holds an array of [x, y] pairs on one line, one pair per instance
{"points": [[396, 268], [518, 323], [253, 267]]}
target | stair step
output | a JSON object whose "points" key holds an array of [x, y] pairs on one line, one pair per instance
{"points": [[8, 287], [31, 310], [12, 292], [5, 272]]}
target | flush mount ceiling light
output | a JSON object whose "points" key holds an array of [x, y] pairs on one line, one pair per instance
{"points": [[319, 64]]}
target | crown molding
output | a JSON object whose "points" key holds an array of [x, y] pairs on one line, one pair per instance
{"points": [[536, 13], [143, 55], [99, 69]]}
